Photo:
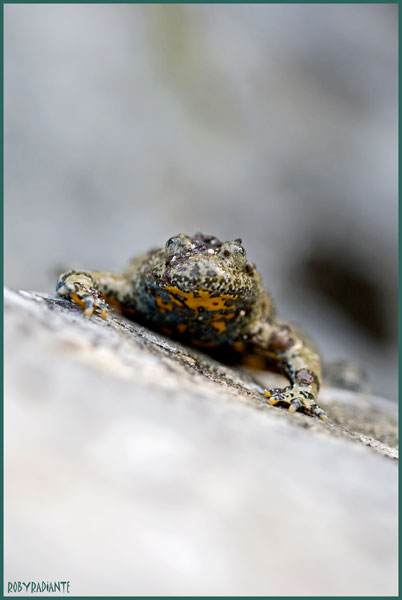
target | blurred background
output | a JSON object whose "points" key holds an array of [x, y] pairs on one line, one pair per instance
{"points": [[126, 124]]}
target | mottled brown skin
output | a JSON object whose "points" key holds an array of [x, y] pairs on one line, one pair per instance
{"points": [[206, 293]]}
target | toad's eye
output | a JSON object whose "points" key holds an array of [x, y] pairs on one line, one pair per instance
{"points": [[235, 253], [178, 244]]}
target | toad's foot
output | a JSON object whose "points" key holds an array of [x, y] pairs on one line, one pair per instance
{"points": [[79, 286], [296, 398]]}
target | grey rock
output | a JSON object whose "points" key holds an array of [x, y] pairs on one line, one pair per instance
{"points": [[135, 465]]}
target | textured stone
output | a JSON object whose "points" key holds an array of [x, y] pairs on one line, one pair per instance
{"points": [[135, 465]]}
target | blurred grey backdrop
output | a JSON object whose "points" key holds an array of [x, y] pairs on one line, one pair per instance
{"points": [[126, 124]]}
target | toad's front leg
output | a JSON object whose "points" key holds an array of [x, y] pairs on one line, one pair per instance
{"points": [[285, 352], [93, 290]]}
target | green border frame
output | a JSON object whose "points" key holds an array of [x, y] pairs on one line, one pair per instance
{"points": [[3, 2], [195, 2]]}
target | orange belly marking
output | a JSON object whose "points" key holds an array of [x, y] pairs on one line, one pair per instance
{"points": [[163, 306], [202, 300], [219, 322]]}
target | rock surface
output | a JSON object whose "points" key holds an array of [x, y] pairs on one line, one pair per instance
{"points": [[137, 466]]}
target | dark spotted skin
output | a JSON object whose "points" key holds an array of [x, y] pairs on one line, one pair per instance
{"points": [[208, 294]]}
